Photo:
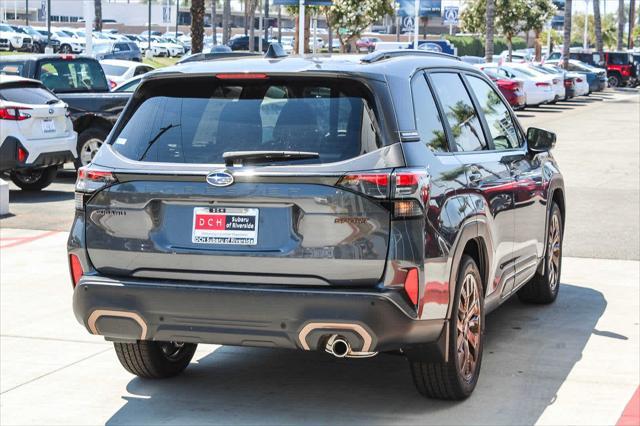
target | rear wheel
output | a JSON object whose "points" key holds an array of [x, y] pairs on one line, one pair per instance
{"points": [[543, 287], [89, 142], [34, 179], [455, 379], [65, 48], [614, 80], [155, 360]]}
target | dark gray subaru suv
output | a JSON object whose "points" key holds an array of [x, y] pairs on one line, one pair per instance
{"points": [[352, 205]]}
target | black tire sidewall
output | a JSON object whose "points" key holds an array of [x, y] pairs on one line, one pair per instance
{"points": [[45, 179], [84, 136], [467, 265]]}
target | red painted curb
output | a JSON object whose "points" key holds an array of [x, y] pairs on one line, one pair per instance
{"points": [[23, 240], [631, 414]]}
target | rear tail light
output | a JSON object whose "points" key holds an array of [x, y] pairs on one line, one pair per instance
{"points": [[21, 154], [542, 84], [14, 113], [67, 57], [568, 82], [90, 181], [408, 189], [579, 80], [508, 84], [411, 286], [75, 267]]}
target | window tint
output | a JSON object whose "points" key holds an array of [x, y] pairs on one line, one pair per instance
{"points": [[460, 113], [33, 95], [196, 122], [503, 130], [63, 76], [141, 70], [11, 68], [114, 69], [428, 122], [122, 47]]}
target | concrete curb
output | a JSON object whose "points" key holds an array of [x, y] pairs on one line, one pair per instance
{"points": [[4, 197]]}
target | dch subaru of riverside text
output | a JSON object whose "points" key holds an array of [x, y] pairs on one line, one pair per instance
{"points": [[353, 205]]}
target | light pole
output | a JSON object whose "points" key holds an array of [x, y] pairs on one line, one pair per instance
{"points": [[149, 31], [301, 28], [26, 13], [177, 16], [585, 42]]}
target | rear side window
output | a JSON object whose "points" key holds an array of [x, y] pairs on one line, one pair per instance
{"points": [[114, 69], [501, 126], [459, 111], [428, 122], [12, 68], [64, 76], [33, 95], [198, 120]]}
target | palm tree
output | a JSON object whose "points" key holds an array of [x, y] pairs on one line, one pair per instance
{"points": [[226, 21], [197, 25], [566, 42], [597, 25], [252, 5], [632, 13], [488, 47], [620, 24], [214, 21], [97, 5]]}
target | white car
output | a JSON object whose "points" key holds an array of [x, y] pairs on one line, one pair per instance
{"points": [[537, 89], [156, 48], [173, 49], [557, 76], [36, 134], [13, 40], [68, 43], [581, 83], [118, 71]]}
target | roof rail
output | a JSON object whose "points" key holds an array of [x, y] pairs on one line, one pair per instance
{"points": [[387, 54]]}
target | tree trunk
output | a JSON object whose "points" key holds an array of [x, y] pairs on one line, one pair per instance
{"points": [[197, 25], [632, 17], [509, 47], [252, 28], [226, 21], [538, 45], [621, 22], [488, 46], [307, 24], [246, 17], [279, 24], [566, 42], [214, 21], [330, 33], [307, 31], [97, 24], [597, 27]]}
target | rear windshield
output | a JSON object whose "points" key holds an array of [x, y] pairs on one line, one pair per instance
{"points": [[197, 120], [33, 95], [65, 76], [114, 69], [12, 68]]}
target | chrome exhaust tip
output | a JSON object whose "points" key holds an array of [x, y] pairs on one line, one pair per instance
{"points": [[337, 346]]}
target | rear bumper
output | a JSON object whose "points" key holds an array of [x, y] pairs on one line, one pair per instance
{"points": [[238, 315]]}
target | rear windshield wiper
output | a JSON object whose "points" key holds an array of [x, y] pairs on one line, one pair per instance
{"points": [[230, 157], [153, 140]]}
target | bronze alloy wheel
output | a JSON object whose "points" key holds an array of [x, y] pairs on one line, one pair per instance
{"points": [[468, 328], [553, 252]]}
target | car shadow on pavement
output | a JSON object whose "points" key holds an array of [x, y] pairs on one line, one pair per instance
{"points": [[29, 197], [529, 352]]}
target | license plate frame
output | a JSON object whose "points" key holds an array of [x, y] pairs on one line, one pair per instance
{"points": [[48, 126], [225, 226]]}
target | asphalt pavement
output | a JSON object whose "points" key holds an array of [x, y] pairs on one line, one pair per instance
{"points": [[576, 361]]}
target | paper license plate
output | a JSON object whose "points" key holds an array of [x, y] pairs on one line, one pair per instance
{"points": [[225, 225], [48, 126]]}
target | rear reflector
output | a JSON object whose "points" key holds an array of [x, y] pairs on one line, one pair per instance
{"points": [[76, 269], [579, 80], [411, 285], [242, 76], [406, 208], [22, 154]]}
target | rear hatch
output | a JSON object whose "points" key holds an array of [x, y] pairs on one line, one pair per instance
{"points": [[245, 178], [46, 113]]}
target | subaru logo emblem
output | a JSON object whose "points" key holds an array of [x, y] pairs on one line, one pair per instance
{"points": [[219, 178], [50, 110]]}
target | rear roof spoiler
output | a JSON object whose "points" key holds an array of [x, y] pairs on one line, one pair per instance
{"points": [[388, 54]]}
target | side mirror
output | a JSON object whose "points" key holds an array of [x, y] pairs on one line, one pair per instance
{"points": [[540, 140]]}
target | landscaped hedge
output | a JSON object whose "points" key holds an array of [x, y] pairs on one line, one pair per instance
{"points": [[474, 46]]}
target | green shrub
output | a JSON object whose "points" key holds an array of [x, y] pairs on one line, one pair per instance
{"points": [[474, 45]]}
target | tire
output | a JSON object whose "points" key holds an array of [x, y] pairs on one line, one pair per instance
{"points": [[543, 287], [89, 141], [149, 359], [447, 380], [614, 80], [34, 179]]}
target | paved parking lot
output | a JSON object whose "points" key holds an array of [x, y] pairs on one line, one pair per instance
{"points": [[574, 362]]}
